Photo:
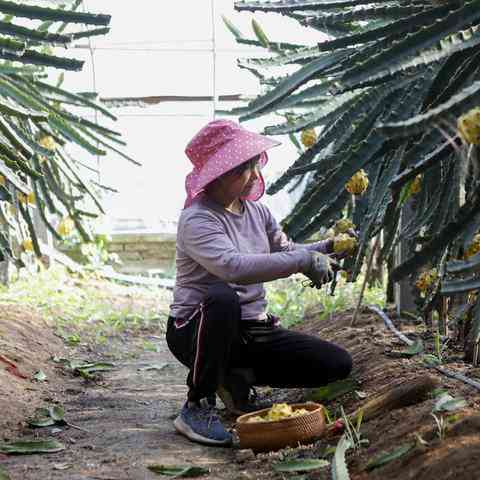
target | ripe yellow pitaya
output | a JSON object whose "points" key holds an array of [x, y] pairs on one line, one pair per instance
{"points": [[416, 185], [468, 126], [474, 246], [343, 225], [344, 243], [426, 279], [65, 227], [27, 245], [358, 183], [48, 142], [308, 137]]}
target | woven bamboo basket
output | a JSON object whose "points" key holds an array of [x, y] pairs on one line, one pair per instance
{"points": [[288, 432]]}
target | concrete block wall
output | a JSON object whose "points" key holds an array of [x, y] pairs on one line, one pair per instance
{"points": [[144, 252]]}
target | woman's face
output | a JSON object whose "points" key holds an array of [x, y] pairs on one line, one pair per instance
{"points": [[239, 181]]}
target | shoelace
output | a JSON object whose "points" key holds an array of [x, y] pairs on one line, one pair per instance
{"points": [[201, 412], [253, 395]]}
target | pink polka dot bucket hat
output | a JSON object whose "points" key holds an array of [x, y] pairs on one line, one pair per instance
{"points": [[217, 148]]}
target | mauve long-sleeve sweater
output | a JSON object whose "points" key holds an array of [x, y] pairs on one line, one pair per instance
{"points": [[242, 249]]}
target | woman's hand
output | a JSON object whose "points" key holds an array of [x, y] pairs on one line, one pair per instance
{"points": [[322, 268]]}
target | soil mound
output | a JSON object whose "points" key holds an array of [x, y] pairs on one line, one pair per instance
{"points": [[27, 343]]}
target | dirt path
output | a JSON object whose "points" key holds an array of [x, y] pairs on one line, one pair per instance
{"points": [[128, 417]]}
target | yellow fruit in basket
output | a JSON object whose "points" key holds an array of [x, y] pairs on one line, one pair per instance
{"points": [[426, 279], [343, 225], [416, 185], [474, 247], [344, 243], [308, 137], [278, 411], [48, 142], [27, 245], [256, 419], [468, 126], [358, 183]]}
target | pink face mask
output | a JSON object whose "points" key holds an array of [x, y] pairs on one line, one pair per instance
{"points": [[217, 148]]}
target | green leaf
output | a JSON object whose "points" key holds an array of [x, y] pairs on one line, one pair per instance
{"points": [[447, 403], [32, 446], [300, 56], [57, 413], [54, 14], [364, 13], [314, 68], [260, 34], [87, 370], [71, 134], [339, 465], [285, 6], [333, 390], [424, 37], [406, 23], [458, 104], [90, 33], [179, 471], [72, 96], [34, 35], [40, 376], [411, 351], [385, 458], [155, 366], [234, 30], [448, 233], [4, 474], [37, 58], [300, 465], [451, 287], [40, 422], [431, 360], [414, 349]]}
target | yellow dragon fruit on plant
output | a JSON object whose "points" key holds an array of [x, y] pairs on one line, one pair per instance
{"points": [[343, 225], [474, 247], [27, 245], [416, 185], [358, 183], [48, 142], [468, 126], [65, 227], [3, 180], [308, 137], [426, 279], [344, 243], [29, 199], [278, 411]]}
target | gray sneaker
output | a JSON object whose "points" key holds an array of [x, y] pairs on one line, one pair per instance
{"points": [[200, 424]]}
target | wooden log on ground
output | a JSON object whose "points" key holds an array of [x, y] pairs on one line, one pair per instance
{"points": [[402, 395]]}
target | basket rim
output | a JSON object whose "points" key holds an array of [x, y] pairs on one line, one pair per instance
{"points": [[243, 418]]}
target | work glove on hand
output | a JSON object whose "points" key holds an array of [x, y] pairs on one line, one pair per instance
{"points": [[321, 269]]}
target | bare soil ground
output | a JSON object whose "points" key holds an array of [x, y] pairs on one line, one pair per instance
{"points": [[126, 414]]}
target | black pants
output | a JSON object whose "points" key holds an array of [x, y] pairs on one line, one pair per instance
{"points": [[216, 340]]}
